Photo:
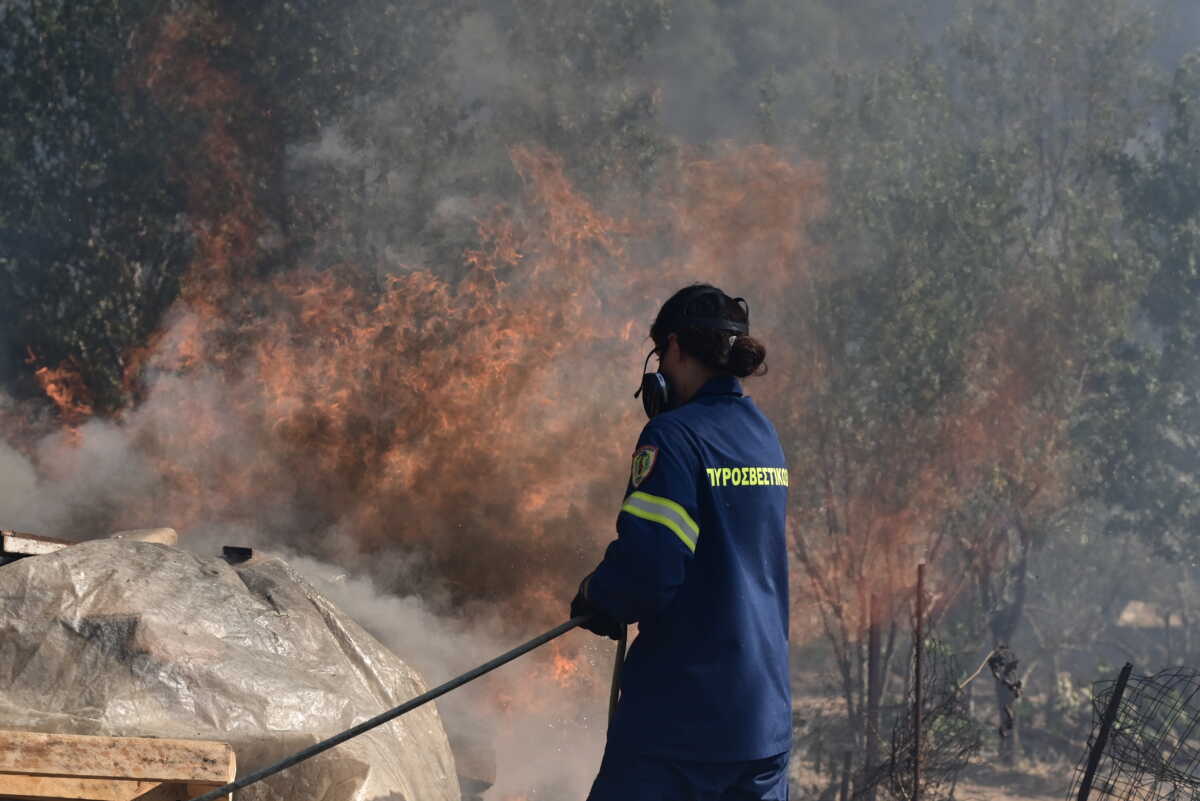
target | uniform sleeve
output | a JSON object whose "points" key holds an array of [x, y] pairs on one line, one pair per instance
{"points": [[656, 529]]}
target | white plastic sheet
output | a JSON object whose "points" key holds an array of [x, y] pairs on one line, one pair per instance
{"points": [[127, 638]]}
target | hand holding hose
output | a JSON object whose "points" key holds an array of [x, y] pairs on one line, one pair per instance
{"points": [[598, 621]]}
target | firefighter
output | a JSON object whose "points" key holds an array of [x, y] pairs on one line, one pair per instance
{"points": [[700, 564]]}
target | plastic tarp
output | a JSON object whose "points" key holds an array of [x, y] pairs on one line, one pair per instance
{"points": [[124, 638]]}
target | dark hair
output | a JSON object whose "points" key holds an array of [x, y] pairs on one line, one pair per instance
{"points": [[725, 351]]}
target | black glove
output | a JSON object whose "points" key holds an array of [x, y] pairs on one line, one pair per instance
{"points": [[598, 622]]}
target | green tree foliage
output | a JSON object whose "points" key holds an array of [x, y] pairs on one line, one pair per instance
{"points": [[356, 103], [405, 178], [1144, 427], [756, 69], [577, 89], [92, 239], [97, 220]]}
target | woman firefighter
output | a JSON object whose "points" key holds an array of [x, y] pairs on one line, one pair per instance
{"points": [[700, 564]]}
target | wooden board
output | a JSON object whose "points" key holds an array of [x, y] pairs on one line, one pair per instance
{"points": [[18, 544], [143, 759], [60, 787]]}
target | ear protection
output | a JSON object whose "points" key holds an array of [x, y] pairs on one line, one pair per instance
{"points": [[655, 390]]}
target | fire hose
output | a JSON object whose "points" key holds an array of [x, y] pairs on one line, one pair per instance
{"points": [[413, 703]]}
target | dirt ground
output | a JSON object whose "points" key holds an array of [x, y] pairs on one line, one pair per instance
{"points": [[816, 703], [1032, 783], [979, 782]]}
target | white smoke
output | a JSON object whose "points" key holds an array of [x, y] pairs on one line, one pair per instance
{"points": [[548, 750], [93, 469], [553, 747], [18, 487]]}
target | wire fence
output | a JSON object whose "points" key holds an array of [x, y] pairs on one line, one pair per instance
{"points": [[1151, 749], [950, 736]]}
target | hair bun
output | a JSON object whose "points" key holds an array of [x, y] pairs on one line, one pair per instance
{"points": [[747, 356]]}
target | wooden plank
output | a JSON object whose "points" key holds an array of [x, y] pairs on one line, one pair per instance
{"points": [[142, 758], [73, 789], [15, 542], [64, 788]]}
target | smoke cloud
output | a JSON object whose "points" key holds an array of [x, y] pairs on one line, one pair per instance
{"points": [[443, 459]]}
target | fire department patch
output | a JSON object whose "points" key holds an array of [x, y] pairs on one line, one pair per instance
{"points": [[643, 462]]}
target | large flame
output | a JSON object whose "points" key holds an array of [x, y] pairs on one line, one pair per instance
{"points": [[470, 419], [475, 417]]}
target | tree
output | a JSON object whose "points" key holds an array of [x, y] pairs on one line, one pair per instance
{"points": [[252, 138], [92, 238], [973, 269], [1143, 430]]}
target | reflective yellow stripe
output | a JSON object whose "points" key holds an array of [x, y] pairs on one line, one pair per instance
{"points": [[666, 521], [664, 512], [670, 504]]}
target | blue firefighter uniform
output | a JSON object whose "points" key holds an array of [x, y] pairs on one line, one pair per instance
{"points": [[700, 563]]}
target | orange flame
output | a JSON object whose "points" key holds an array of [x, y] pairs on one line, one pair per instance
{"points": [[566, 670], [65, 386], [468, 410], [865, 534], [221, 197]]}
